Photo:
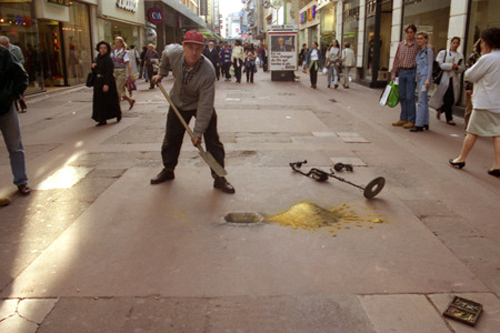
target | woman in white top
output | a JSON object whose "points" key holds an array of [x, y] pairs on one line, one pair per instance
{"points": [[313, 63], [333, 58], [485, 119], [121, 62], [448, 92], [237, 58]]}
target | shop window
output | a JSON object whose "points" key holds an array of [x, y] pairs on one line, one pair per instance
{"points": [[351, 24], [483, 14], [17, 23], [76, 36], [431, 16]]}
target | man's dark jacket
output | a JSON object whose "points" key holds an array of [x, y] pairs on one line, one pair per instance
{"points": [[213, 56], [13, 80]]}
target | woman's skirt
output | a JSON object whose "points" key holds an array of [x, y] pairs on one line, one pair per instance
{"points": [[484, 123], [120, 78]]}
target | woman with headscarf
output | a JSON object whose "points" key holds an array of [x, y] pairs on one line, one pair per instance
{"points": [[123, 70], [485, 118], [105, 102]]}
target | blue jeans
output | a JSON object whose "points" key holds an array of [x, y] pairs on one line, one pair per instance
{"points": [[11, 131], [407, 94], [332, 71], [423, 105]]}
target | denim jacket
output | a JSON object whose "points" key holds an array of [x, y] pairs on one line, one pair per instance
{"points": [[424, 60]]}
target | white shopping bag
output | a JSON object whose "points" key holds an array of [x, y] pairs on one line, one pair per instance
{"points": [[385, 95], [325, 71]]}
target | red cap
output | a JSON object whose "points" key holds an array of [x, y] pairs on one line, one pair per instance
{"points": [[195, 37]]}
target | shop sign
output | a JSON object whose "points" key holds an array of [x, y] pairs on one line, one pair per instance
{"points": [[155, 16], [130, 5], [60, 2], [308, 15]]}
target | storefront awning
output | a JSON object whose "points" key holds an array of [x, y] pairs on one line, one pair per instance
{"points": [[175, 4]]}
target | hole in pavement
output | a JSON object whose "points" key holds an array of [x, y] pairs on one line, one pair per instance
{"points": [[243, 217]]}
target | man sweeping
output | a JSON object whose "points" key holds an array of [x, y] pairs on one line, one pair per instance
{"points": [[193, 94]]}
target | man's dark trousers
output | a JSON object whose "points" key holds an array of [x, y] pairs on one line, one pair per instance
{"points": [[172, 142]]}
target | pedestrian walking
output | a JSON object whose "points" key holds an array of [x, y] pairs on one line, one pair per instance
{"points": [[150, 58], [135, 59], [250, 66], [105, 101], [264, 56], [142, 71], [332, 59], [313, 63], [213, 55], [13, 82], [469, 86], [225, 58], [404, 68], [447, 93], [122, 70], [424, 61], [17, 53], [348, 63], [303, 54], [485, 118], [193, 93], [237, 58]]}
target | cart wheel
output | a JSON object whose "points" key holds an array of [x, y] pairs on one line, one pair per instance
{"points": [[338, 166], [374, 187]]}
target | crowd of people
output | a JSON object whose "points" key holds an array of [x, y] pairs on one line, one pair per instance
{"points": [[116, 68], [414, 67], [240, 57], [337, 63]]}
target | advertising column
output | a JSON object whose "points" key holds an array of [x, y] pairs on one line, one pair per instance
{"points": [[283, 52]]}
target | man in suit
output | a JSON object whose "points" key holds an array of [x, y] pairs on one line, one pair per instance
{"points": [[212, 54], [282, 47]]}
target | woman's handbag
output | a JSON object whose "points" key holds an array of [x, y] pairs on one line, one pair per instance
{"points": [[90, 80]]}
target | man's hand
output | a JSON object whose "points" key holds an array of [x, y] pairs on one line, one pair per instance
{"points": [[196, 141], [157, 78], [105, 88]]}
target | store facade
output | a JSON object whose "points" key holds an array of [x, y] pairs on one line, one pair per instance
{"points": [[54, 36], [328, 18], [309, 25], [121, 18], [168, 21]]}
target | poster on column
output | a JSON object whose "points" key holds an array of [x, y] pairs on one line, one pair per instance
{"points": [[283, 51]]}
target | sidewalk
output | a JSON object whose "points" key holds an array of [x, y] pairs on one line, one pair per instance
{"points": [[98, 249]]}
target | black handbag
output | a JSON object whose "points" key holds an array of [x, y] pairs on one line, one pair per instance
{"points": [[90, 80]]}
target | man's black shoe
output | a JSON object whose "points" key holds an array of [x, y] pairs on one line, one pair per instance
{"points": [[163, 176], [222, 184]]}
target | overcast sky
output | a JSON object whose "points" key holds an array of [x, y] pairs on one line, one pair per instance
{"points": [[229, 6]]}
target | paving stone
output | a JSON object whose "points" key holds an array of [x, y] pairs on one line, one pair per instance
{"points": [[7, 308], [402, 313], [35, 310], [18, 325]]}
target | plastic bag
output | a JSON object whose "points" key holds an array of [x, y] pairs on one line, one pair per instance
{"points": [[393, 98], [131, 84], [325, 71]]}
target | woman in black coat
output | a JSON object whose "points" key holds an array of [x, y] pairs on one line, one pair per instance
{"points": [[105, 103]]}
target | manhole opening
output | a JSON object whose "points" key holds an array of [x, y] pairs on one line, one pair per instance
{"points": [[243, 217]]}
